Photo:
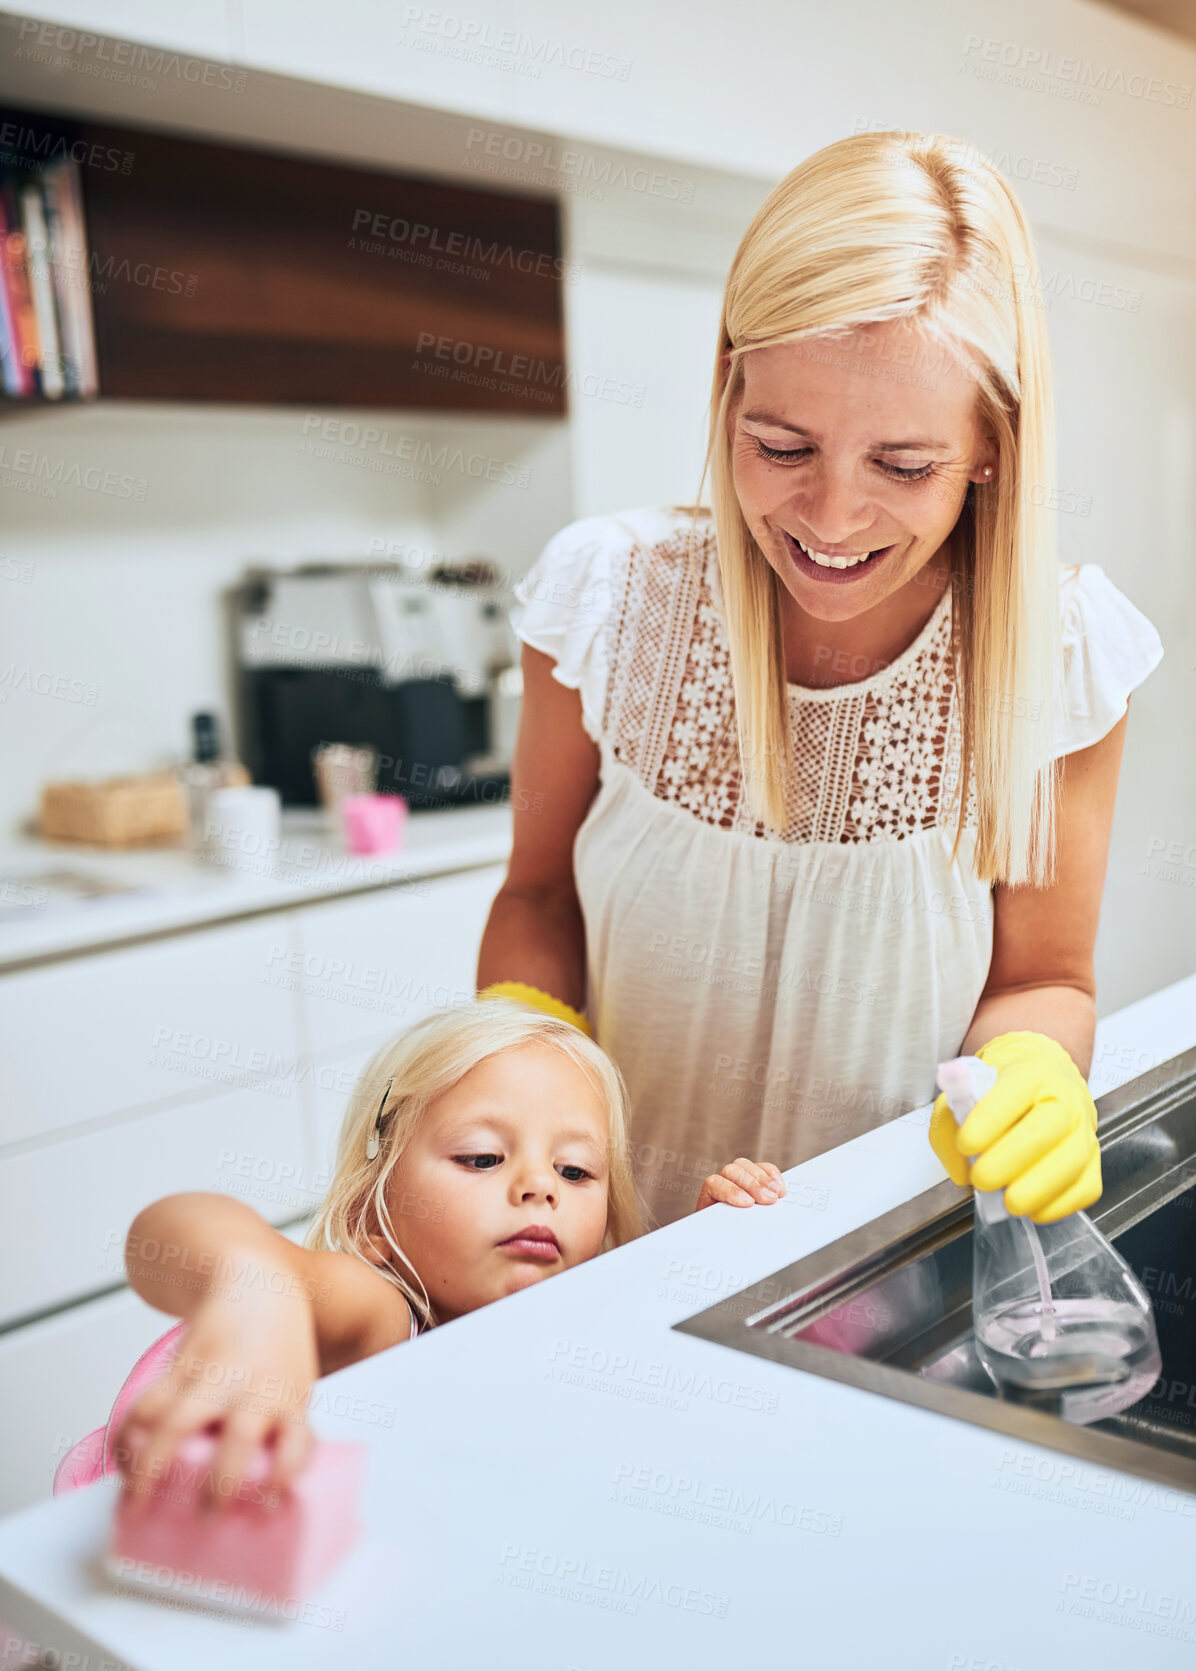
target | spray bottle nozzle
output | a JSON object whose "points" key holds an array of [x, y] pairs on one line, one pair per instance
{"points": [[963, 1081]]}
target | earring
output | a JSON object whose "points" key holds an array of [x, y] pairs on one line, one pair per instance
{"points": [[988, 469], [371, 1148]]}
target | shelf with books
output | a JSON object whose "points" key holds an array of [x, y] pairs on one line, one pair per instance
{"points": [[47, 337], [178, 270]]}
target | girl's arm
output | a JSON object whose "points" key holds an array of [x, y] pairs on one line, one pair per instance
{"points": [[265, 1319], [186, 1248], [535, 932]]}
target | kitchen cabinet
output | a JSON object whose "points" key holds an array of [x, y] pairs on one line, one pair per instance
{"points": [[365, 968], [58, 1379], [102, 1037], [215, 1059], [70, 1203]]}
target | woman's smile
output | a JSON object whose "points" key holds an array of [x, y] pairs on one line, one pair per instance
{"points": [[834, 567]]}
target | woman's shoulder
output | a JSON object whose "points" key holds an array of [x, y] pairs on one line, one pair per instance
{"points": [[660, 530], [1109, 648], [1097, 614], [595, 584], [573, 583]]}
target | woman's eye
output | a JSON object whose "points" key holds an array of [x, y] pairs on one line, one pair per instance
{"points": [[478, 1163], [778, 455], [565, 1170]]}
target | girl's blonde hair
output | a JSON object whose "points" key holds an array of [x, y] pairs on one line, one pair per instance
{"points": [[425, 1062], [885, 226]]}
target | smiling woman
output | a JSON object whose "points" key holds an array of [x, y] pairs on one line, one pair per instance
{"points": [[825, 773]]}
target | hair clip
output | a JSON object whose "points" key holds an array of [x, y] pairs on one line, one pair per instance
{"points": [[371, 1148]]}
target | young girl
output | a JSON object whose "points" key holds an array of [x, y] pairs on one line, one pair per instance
{"points": [[482, 1151]]}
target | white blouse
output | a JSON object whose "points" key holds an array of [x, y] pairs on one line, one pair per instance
{"points": [[763, 996]]}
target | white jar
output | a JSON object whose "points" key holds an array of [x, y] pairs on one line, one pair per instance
{"points": [[241, 828]]}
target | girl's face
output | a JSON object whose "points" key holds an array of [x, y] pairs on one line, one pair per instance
{"points": [[506, 1181], [865, 444]]}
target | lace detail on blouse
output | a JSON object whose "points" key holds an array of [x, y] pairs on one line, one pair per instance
{"points": [[875, 761]]}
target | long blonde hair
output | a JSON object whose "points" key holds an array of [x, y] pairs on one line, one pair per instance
{"points": [[425, 1062], [886, 226]]}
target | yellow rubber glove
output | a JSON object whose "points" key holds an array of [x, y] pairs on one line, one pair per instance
{"points": [[538, 1000], [1033, 1135]]}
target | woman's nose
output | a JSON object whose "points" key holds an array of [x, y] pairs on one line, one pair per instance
{"points": [[833, 506]]}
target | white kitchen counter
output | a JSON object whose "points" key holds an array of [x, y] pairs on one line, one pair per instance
{"points": [[561, 1482], [175, 891]]}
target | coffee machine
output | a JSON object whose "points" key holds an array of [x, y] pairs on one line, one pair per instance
{"points": [[424, 668]]}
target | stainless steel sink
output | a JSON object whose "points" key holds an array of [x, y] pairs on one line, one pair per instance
{"points": [[889, 1307]]}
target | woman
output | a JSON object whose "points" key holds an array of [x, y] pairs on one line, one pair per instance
{"points": [[816, 788]]}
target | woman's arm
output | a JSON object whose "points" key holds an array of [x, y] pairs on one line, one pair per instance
{"points": [[1033, 1134], [535, 932], [1042, 976]]}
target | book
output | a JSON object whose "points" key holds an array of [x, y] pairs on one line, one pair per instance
{"points": [[68, 265], [47, 330], [16, 378], [37, 245], [26, 343]]}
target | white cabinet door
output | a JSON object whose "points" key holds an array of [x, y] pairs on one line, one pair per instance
{"points": [[157, 1024], [68, 1205], [58, 1380], [367, 968], [216, 1061]]}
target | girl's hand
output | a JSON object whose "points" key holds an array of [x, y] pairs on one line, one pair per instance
{"points": [[248, 1361], [742, 1183]]}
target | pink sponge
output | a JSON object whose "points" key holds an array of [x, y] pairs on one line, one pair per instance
{"points": [[263, 1552]]}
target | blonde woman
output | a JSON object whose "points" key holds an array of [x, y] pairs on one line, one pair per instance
{"points": [[481, 1152], [823, 777]]}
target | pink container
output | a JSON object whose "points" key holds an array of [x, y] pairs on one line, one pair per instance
{"points": [[373, 823], [264, 1552]]}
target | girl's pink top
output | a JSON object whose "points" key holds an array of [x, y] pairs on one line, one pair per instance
{"points": [[92, 1458]]}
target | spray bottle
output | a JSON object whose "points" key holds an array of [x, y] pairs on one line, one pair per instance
{"points": [[1060, 1319]]}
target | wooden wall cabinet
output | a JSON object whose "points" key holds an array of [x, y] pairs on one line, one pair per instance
{"points": [[227, 274]]}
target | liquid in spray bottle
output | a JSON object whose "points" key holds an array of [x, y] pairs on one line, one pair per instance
{"points": [[1060, 1319]]}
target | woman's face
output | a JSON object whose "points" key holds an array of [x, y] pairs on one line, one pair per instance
{"points": [[861, 445], [506, 1180]]}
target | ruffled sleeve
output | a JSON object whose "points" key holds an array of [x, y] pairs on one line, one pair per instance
{"points": [[1109, 647], [563, 607]]}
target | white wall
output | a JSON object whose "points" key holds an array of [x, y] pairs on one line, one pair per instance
{"points": [[119, 598], [717, 104], [748, 89], [644, 444]]}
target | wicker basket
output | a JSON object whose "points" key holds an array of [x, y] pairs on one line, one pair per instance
{"points": [[123, 812]]}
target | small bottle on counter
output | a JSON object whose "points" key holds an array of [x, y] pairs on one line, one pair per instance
{"points": [[205, 771]]}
